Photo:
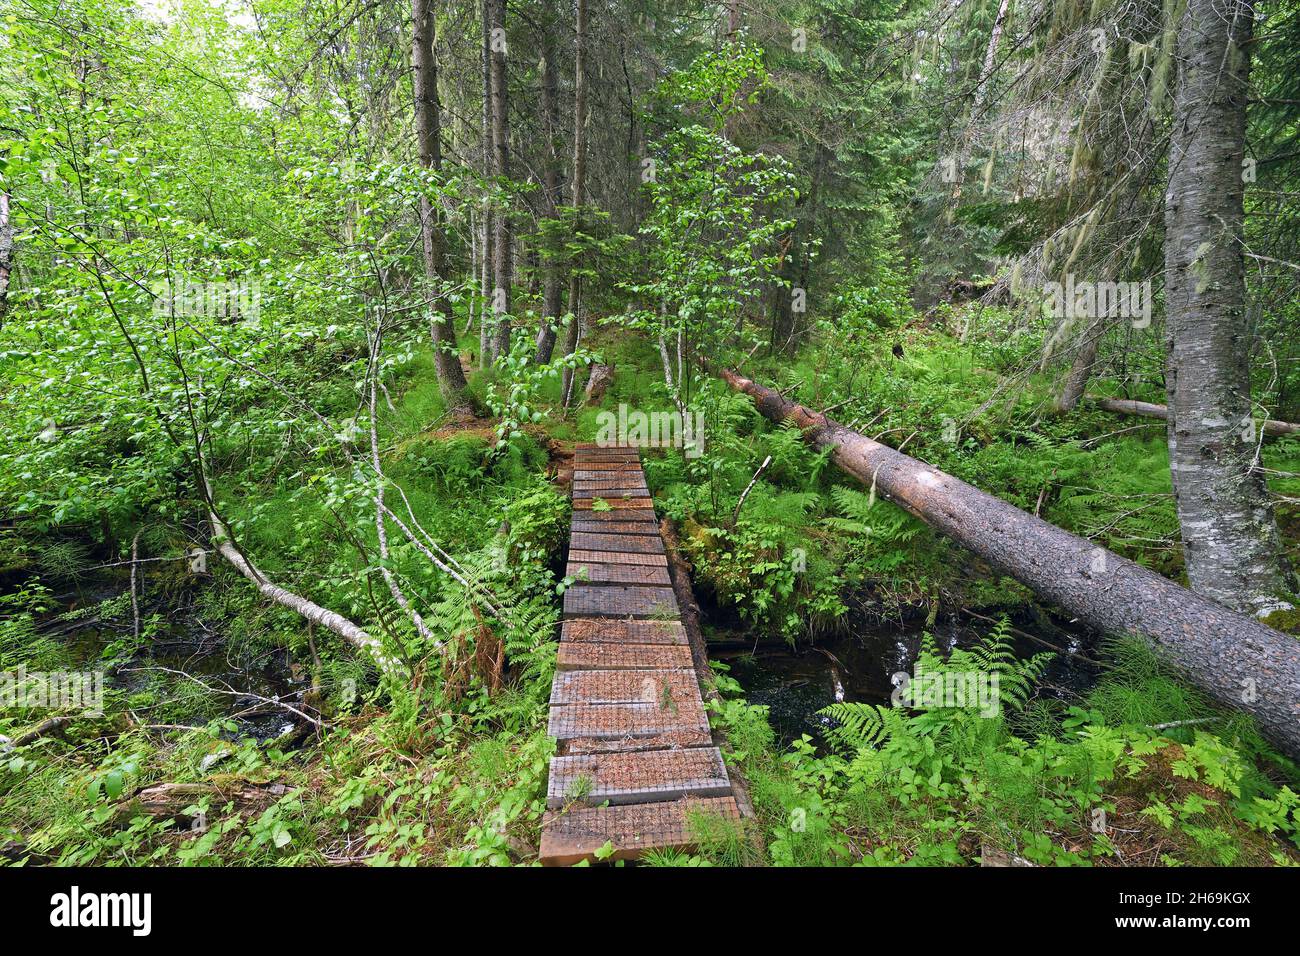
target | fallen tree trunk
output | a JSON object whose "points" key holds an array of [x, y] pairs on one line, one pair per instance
{"points": [[1238, 661], [330, 620], [1127, 406]]}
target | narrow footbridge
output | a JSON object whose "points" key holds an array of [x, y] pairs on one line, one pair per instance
{"points": [[635, 764]]}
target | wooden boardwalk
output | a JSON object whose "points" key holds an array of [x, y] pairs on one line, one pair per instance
{"points": [[635, 764]]}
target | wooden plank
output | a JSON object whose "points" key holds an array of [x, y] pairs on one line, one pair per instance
{"points": [[589, 473], [573, 836], [620, 557], [619, 479], [587, 489], [635, 544], [590, 572], [619, 458], [609, 631], [611, 494], [615, 504], [607, 467], [646, 776], [574, 656], [623, 514], [624, 723], [612, 479], [582, 525], [671, 689], [619, 600]]}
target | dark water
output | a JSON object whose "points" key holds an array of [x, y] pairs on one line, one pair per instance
{"points": [[185, 643], [859, 666]]}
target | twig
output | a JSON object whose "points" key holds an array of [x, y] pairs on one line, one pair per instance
{"points": [[753, 481], [135, 603], [1182, 723], [274, 702]]}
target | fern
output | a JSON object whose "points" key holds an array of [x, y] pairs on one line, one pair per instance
{"points": [[859, 726]]}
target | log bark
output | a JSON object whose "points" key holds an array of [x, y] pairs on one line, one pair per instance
{"points": [[1237, 660], [1231, 547], [503, 249], [1127, 406], [170, 800], [489, 225], [330, 620], [574, 333], [551, 291]]}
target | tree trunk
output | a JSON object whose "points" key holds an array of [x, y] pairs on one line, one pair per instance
{"points": [[6, 254], [1076, 382], [503, 253], [330, 620], [489, 224], [550, 125], [428, 135], [990, 59], [485, 287], [1240, 662], [1230, 542], [579, 181], [1124, 406]]}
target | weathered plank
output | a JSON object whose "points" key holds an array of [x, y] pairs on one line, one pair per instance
{"points": [[575, 656], [620, 557], [606, 467], [637, 544], [573, 836], [646, 776], [609, 492], [606, 630], [588, 459], [619, 480], [670, 689], [619, 600], [614, 527], [594, 573], [615, 504], [624, 723], [587, 473], [623, 514]]}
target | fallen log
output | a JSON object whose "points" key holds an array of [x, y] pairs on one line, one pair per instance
{"points": [[1127, 406], [172, 800], [680, 575], [1240, 662], [330, 620]]}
